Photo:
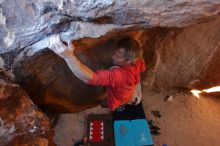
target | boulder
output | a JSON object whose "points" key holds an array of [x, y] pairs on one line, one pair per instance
{"points": [[180, 40], [26, 22], [21, 121]]}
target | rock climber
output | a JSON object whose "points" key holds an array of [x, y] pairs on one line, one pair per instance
{"points": [[122, 81]]}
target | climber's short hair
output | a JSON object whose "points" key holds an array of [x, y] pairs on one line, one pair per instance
{"points": [[132, 48]]}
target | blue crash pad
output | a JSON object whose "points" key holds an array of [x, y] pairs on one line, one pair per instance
{"points": [[123, 133], [132, 133], [141, 132]]}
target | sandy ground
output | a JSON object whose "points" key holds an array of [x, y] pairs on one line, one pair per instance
{"points": [[187, 121]]}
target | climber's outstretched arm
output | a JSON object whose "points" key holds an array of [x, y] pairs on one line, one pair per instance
{"points": [[80, 70]]}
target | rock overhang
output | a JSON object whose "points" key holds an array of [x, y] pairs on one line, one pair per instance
{"points": [[94, 27]]}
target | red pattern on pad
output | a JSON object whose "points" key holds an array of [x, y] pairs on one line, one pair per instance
{"points": [[96, 131]]}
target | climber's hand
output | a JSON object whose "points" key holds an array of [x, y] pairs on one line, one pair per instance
{"points": [[70, 45], [57, 46]]}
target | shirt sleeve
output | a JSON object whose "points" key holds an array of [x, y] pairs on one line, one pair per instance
{"points": [[140, 67], [111, 77]]}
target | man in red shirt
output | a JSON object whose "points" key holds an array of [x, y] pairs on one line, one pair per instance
{"points": [[122, 81]]}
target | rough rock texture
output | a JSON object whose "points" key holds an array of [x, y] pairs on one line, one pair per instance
{"points": [[21, 122], [25, 22], [49, 81], [177, 58], [180, 39], [190, 57]]}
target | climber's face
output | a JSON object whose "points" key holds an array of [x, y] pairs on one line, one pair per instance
{"points": [[119, 57]]}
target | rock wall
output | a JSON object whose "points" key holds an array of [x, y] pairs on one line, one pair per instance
{"points": [[180, 41], [49, 81], [26, 22], [189, 58], [176, 58], [21, 122]]}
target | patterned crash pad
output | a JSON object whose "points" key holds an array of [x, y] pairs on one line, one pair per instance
{"points": [[100, 130]]}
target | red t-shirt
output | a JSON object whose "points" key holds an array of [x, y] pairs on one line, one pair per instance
{"points": [[119, 81]]}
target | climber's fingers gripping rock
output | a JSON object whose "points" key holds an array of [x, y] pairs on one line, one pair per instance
{"points": [[57, 46]]}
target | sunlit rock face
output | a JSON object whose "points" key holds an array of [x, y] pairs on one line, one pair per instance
{"points": [[21, 122]]}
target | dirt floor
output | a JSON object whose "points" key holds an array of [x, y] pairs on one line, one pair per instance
{"points": [[187, 121]]}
